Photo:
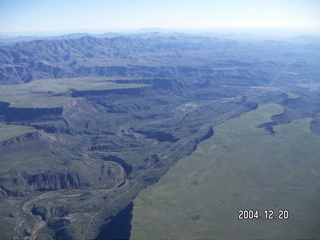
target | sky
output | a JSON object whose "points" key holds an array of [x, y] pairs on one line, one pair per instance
{"points": [[34, 16]]}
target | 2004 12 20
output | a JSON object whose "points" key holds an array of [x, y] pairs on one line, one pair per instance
{"points": [[268, 214]]}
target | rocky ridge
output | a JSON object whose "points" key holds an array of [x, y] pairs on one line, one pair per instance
{"points": [[88, 159]]}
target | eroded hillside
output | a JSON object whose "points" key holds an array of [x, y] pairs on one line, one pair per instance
{"points": [[90, 122]]}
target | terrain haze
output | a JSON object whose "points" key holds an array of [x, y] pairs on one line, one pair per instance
{"points": [[159, 119], [18, 16], [87, 123]]}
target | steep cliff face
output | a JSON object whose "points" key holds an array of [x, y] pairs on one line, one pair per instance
{"points": [[22, 138], [54, 181], [125, 91], [108, 144], [25, 183], [12, 114], [15, 187]]}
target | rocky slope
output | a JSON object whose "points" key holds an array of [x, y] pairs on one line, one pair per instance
{"points": [[179, 56], [22, 138], [88, 159]]}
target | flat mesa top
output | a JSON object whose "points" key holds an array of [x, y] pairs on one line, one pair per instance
{"points": [[11, 131], [49, 93]]}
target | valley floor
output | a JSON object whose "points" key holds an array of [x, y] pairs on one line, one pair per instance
{"points": [[241, 167]]}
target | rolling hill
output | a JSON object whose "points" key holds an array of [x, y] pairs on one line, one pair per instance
{"points": [[87, 123]]}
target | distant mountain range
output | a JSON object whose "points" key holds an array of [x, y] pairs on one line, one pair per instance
{"points": [[6, 40], [113, 113], [80, 54]]}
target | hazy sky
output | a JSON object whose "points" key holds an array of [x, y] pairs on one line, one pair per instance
{"points": [[108, 15]]}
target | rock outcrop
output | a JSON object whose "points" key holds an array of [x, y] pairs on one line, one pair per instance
{"points": [[22, 138]]}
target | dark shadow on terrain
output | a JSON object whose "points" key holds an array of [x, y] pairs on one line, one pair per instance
{"points": [[159, 136], [61, 229], [299, 108], [28, 114], [315, 126], [4, 104], [119, 227], [125, 91], [268, 127], [127, 168], [208, 135]]}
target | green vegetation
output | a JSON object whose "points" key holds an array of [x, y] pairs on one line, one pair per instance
{"points": [[240, 167], [11, 131], [49, 93], [139, 105], [292, 95]]}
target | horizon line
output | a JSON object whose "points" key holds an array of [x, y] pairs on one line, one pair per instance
{"points": [[300, 30]]}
